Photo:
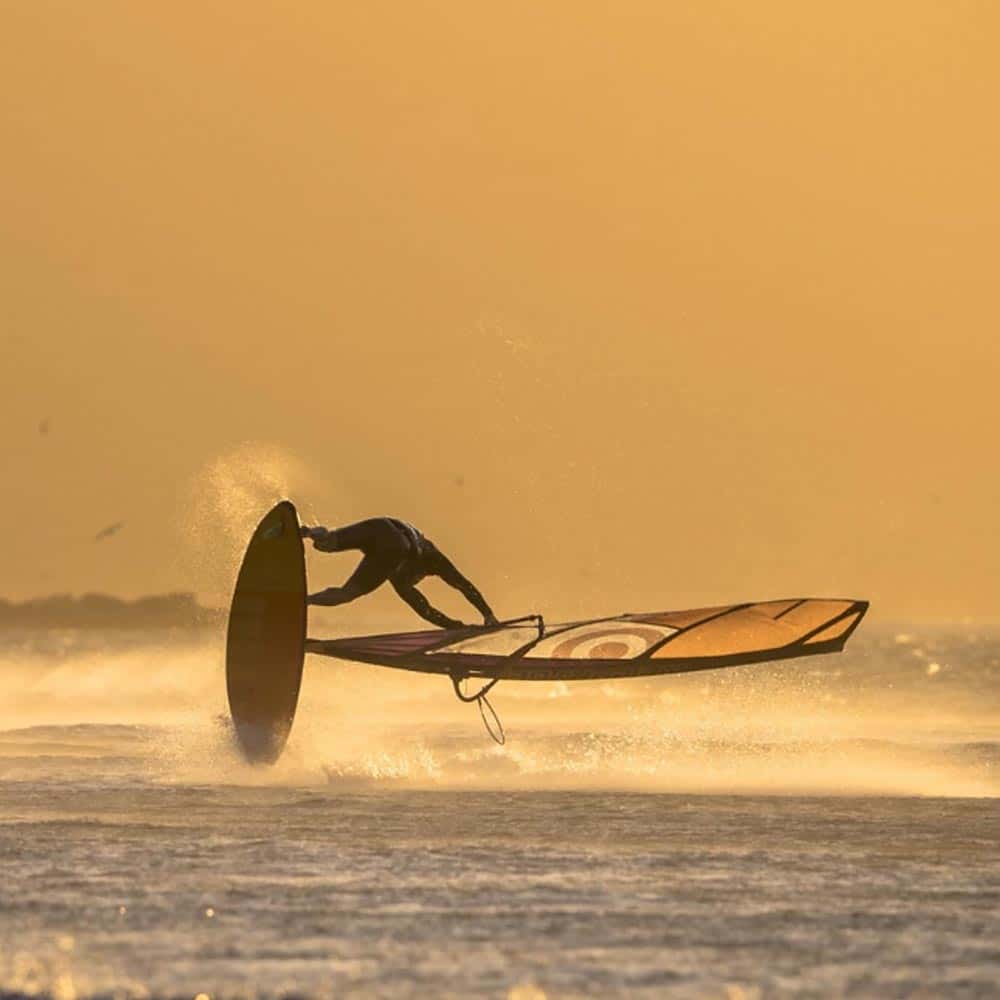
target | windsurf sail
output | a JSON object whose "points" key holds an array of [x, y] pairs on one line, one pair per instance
{"points": [[629, 645]]}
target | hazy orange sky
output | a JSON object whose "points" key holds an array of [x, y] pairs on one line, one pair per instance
{"points": [[628, 306]]}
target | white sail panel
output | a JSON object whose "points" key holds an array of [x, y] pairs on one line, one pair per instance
{"points": [[606, 640], [500, 643]]}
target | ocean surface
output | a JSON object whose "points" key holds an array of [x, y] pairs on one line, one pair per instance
{"points": [[819, 828]]}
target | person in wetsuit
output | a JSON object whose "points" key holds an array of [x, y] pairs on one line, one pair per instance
{"points": [[393, 550]]}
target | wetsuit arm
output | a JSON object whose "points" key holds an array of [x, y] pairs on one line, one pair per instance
{"points": [[453, 578], [424, 608]]}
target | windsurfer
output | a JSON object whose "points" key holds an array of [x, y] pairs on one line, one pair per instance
{"points": [[393, 550]]}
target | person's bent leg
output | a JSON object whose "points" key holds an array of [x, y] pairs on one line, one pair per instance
{"points": [[372, 572], [333, 596]]}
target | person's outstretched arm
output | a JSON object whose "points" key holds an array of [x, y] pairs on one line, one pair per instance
{"points": [[424, 608], [453, 578]]}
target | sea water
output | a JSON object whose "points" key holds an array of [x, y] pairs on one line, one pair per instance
{"points": [[823, 827]]}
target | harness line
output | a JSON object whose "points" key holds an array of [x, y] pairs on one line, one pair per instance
{"points": [[494, 728]]}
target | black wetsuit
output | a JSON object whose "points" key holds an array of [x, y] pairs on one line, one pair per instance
{"points": [[395, 551]]}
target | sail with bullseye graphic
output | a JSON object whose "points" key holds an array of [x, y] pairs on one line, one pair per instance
{"points": [[630, 645]]}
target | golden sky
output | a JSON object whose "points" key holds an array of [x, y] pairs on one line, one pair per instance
{"points": [[628, 306]]}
